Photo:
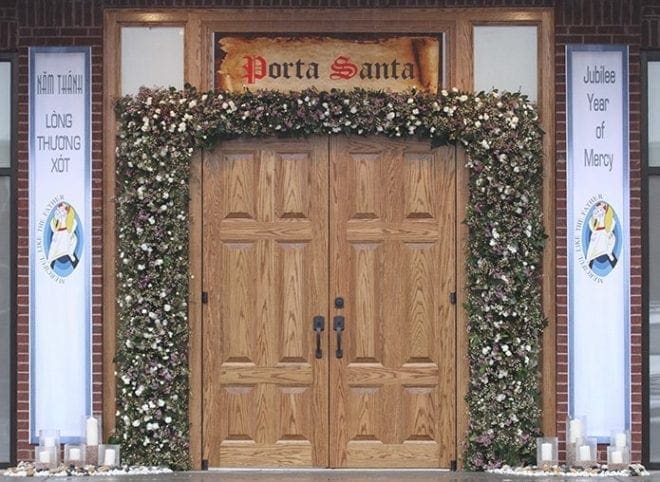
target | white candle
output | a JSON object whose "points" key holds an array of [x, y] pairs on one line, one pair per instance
{"points": [[92, 431], [44, 456], [616, 456], [574, 430], [49, 442], [585, 453], [74, 454], [546, 452], [620, 440], [109, 457]]}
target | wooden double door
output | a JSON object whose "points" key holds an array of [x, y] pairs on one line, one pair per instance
{"points": [[329, 330]]}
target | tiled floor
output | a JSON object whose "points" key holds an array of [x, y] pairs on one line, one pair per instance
{"points": [[335, 476]]}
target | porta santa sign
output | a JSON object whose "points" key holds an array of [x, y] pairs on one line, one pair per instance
{"points": [[598, 236], [290, 64]]}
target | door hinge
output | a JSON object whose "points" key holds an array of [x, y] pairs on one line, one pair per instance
{"points": [[452, 466], [205, 297], [452, 297], [205, 464]]}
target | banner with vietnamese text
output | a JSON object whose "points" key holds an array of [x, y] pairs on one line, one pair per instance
{"points": [[60, 239]]}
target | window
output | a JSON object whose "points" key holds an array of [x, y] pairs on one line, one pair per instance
{"points": [[505, 58], [651, 226], [151, 57], [7, 269]]}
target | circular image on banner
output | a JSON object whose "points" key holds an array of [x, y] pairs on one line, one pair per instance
{"points": [[601, 239], [63, 239]]}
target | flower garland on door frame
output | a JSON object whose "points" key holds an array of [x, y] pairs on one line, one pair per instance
{"points": [[157, 134]]}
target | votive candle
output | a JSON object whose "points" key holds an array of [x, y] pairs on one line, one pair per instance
{"points": [[546, 451], [109, 457]]}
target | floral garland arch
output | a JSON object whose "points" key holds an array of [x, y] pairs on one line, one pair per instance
{"points": [[158, 132]]}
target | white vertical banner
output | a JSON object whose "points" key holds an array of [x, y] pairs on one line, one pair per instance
{"points": [[598, 237], [60, 239]]}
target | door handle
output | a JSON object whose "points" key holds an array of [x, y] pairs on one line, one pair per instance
{"points": [[319, 326], [338, 326]]}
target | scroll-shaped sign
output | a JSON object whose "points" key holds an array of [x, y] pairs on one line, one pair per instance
{"points": [[293, 64], [60, 239], [598, 236]]}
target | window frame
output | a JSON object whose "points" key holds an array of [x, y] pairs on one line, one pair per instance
{"points": [[10, 172], [647, 173]]}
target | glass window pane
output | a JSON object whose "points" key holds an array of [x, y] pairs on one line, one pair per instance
{"points": [[653, 223], [5, 114], [505, 58], [653, 86], [5, 321], [151, 57]]}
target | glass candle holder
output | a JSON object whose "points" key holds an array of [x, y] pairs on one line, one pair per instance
{"points": [[108, 455], [75, 454], [46, 458], [49, 438], [618, 458], [620, 439], [546, 451], [585, 453]]}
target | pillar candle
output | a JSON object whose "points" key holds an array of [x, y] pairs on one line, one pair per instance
{"points": [[585, 453], [546, 451], [92, 431], [616, 456], [109, 457], [574, 429]]}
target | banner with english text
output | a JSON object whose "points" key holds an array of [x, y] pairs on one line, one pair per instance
{"points": [[60, 257], [324, 63], [598, 216]]}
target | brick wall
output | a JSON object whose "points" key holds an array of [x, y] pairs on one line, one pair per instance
{"points": [[25, 23], [609, 22]]}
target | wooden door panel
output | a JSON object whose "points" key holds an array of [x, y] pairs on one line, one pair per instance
{"points": [[265, 271], [393, 261]]}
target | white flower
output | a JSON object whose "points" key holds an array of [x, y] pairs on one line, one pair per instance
{"points": [[148, 101], [463, 98], [390, 115], [136, 423], [167, 308], [139, 390], [168, 419], [500, 397], [494, 233], [484, 143]]}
